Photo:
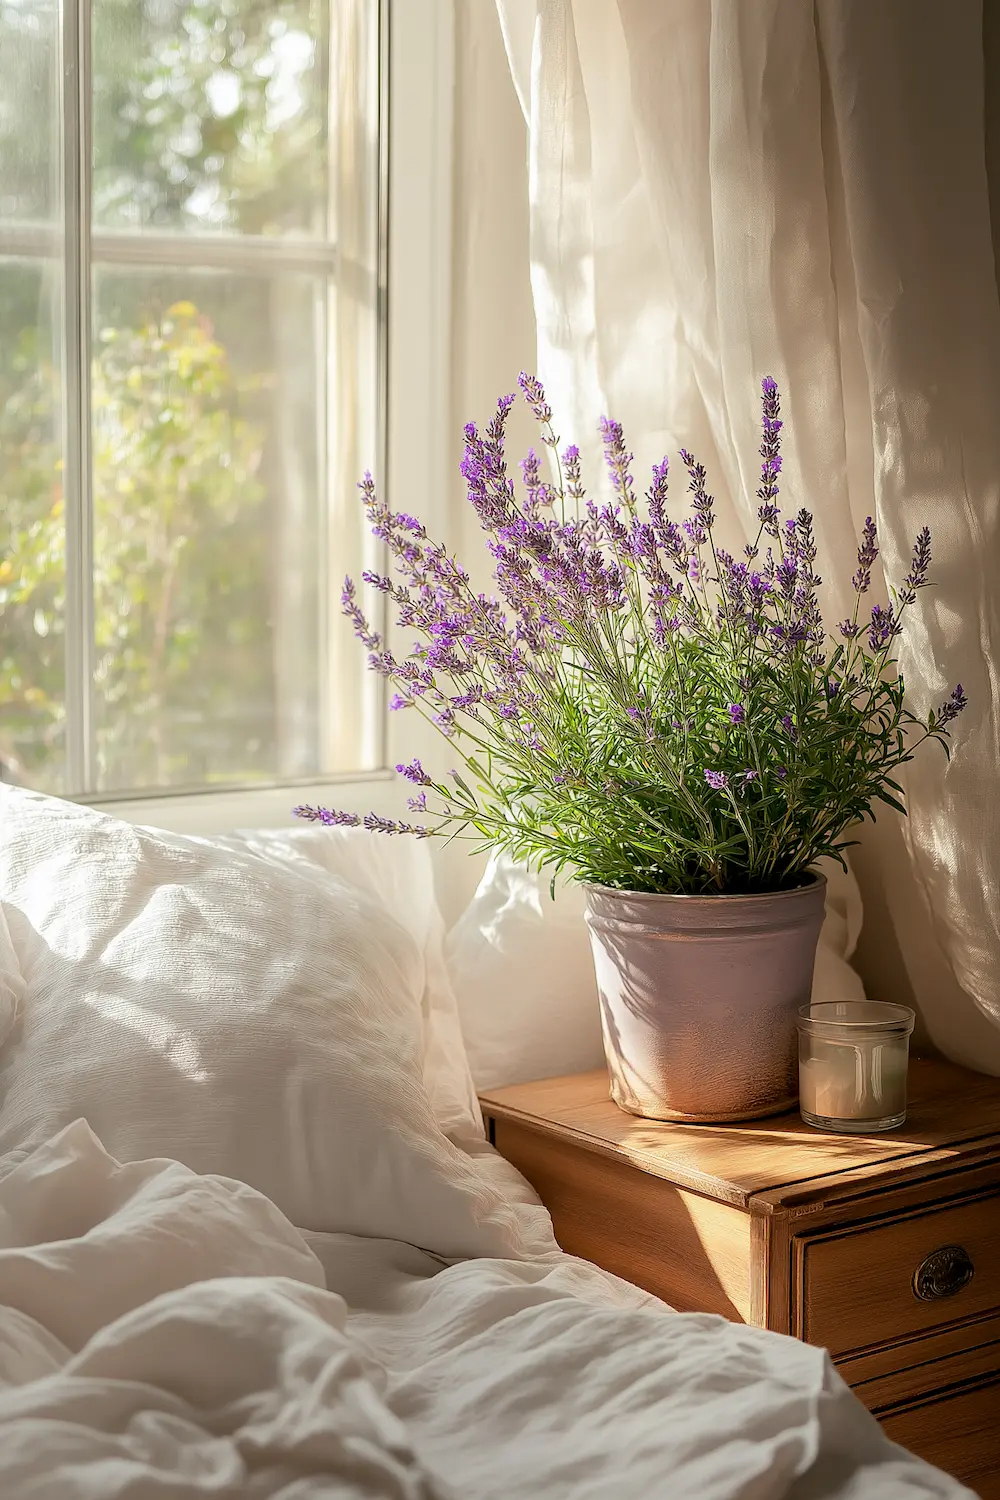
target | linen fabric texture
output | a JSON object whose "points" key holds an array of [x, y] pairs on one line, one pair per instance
{"points": [[170, 1335], [243, 1016], [247, 1024]]}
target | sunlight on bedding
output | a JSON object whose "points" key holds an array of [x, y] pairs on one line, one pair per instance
{"points": [[178, 1047]]}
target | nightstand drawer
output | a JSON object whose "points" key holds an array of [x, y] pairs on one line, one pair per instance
{"points": [[956, 1430], [866, 1286]]}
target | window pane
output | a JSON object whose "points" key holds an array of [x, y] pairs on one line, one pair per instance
{"points": [[32, 534], [211, 115], [208, 491], [29, 110], [223, 317]]}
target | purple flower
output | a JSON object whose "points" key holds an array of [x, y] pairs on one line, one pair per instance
{"points": [[376, 824], [372, 821], [786, 576], [791, 635], [770, 452], [415, 772], [534, 395], [327, 816], [658, 494], [618, 460], [490, 490], [398, 701], [849, 629], [804, 543], [539, 494], [588, 596], [884, 625], [571, 471], [664, 628], [470, 699], [867, 554], [919, 563], [757, 586], [362, 629], [703, 519], [382, 662], [953, 707]]}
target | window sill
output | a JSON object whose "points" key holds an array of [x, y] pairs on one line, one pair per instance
{"points": [[211, 812]]}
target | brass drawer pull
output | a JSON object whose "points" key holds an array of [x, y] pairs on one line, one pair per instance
{"points": [[944, 1273]]}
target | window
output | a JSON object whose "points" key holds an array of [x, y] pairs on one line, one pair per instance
{"points": [[191, 369]]}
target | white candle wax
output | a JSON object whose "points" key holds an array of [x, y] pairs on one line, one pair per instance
{"points": [[860, 1080]]}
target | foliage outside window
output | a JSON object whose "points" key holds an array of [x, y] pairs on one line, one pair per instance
{"points": [[170, 469]]}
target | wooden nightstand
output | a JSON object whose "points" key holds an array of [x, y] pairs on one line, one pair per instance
{"points": [[883, 1249]]}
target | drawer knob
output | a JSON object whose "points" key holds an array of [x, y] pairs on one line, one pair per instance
{"points": [[943, 1273]]}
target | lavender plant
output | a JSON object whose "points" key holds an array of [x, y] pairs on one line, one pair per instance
{"points": [[636, 705]]}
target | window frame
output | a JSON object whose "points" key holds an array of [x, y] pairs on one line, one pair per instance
{"points": [[417, 87]]}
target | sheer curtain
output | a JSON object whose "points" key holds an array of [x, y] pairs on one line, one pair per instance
{"points": [[721, 190]]}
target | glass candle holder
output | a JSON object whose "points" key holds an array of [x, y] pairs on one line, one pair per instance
{"points": [[853, 1057]]}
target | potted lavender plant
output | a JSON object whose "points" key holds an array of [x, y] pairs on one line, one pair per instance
{"points": [[668, 723]]}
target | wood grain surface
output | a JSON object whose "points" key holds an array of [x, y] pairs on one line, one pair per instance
{"points": [[858, 1284], [959, 1432], [733, 1162], [965, 1368], [692, 1252], [818, 1235], [922, 1350]]}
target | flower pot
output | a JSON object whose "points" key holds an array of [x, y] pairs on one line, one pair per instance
{"points": [[700, 997]]}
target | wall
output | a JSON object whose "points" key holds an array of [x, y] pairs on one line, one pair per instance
{"points": [[493, 321]]}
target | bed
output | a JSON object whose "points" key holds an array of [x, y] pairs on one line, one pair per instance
{"points": [[252, 1241]]}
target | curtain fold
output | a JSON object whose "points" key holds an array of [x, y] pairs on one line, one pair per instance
{"points": [[720, 191]]}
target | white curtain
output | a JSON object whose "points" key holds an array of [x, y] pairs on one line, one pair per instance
{"points": [[721, 190]]}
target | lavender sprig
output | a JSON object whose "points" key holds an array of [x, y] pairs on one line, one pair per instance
{"points": [[371, 821], [867, 555], [636, 704], [770, 452]]}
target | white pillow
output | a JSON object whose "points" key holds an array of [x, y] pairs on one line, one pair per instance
{"points": [[398, 874], [522, 972], [196, 1003], [521, 968], [11, 983]]}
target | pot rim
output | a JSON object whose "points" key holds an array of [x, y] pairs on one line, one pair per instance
{"points": [[814, 879]]}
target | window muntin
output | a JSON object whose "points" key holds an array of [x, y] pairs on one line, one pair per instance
{"points": [[191, 311]]}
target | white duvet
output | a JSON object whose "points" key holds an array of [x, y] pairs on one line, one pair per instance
{"points": [[166, 1334]]}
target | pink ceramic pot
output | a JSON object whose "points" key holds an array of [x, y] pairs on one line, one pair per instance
{"points": [[700, 996]]}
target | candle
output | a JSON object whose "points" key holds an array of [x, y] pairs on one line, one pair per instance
{"points": [[853, 1058], [861, 1082]]}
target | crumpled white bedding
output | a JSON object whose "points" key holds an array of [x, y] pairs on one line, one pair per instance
{"points": [[164, 1334]]}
